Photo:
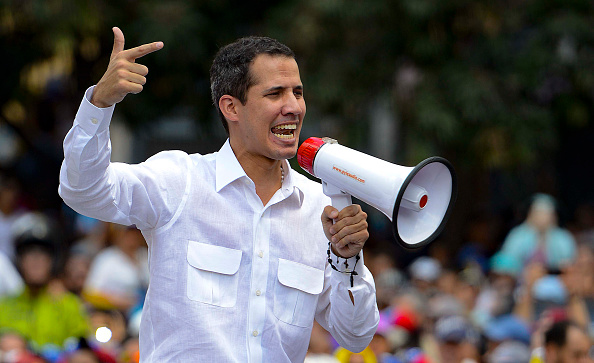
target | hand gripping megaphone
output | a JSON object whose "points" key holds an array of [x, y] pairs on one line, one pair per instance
{"points": [[418, 200]]}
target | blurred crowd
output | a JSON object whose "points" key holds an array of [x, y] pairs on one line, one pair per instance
{"points": [[72, 289], [531, 300]]}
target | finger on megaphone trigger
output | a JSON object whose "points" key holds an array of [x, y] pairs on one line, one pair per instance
{"points": [[142, 50], [331, 212]]}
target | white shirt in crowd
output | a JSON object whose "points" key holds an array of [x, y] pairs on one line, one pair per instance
{"points": [[112, 272], [10, 280], [231, 280]]}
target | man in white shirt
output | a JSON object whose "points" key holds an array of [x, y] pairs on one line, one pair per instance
{"points": [[238, 257]]}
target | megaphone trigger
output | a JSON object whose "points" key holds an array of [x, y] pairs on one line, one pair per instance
{"points": [[418, 200], [340, 199]]}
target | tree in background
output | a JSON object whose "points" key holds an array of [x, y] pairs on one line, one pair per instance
{"points": [[504, 90]]}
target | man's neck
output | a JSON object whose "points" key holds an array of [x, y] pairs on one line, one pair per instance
{"points": [[265, 173]]}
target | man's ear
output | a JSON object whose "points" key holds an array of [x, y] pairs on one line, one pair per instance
{"points": [[228, 106]]}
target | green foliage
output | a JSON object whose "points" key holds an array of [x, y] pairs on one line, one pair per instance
{"points": [[489, 82]]}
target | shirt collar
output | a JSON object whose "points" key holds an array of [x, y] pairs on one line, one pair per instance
{"points": [[229, 169], [289, 185]]}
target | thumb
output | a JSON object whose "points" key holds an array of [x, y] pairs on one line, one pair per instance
{"points": [[118, 41], [330, 213]]}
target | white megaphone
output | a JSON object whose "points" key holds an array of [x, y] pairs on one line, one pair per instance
{"points": [[418, 200]]}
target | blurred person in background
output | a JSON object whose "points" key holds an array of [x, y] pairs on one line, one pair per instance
{"points": [[44, 312], [13, 349], [424, 273], [579, 279], [108, 331], [388, 279], [506, 328], [320, 346], [10, 280], [9, 212], [509, 352], [76, 270], [539, 239], [91, 236], [457, 340], [238, 255], [83, 352], [496, 294], [565, 342], [130, 351], [118, 275], [540, 292], [468, 287]]}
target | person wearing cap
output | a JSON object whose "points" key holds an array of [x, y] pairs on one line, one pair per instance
{"points": [[457, 339], [44, 312], [240, 264], [424, 272]]}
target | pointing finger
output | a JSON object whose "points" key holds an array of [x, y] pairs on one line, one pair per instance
{"points": [[118, 41], [142, 50]]}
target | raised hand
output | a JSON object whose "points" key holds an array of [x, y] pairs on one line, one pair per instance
{"points": [[123, 74]]}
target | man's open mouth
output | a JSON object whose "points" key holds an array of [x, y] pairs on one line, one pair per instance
{"points": [[284, 131]]}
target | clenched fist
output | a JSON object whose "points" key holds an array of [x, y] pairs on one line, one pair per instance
{"points": [[123, 74], [346, 230]]}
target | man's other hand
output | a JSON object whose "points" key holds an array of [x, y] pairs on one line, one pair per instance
{"points": [[123, 74], [346, 230]]}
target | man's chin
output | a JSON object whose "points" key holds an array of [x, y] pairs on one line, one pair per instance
{"points": [[288, 154]]}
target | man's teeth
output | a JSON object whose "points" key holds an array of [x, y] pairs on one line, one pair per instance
{"points": [[284, 127]]}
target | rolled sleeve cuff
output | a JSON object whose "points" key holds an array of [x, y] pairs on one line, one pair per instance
{"points": [[92, 119]]}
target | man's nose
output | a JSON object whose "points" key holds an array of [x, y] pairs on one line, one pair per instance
{"points": [[292, 105]]}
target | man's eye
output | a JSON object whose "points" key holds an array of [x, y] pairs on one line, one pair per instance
{"points": [[298, 94], [273, 94]]}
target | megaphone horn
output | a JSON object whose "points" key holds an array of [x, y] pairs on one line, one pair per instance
{"points": [[418, 200]]}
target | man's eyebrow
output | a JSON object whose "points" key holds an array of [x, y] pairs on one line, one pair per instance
{"points": [[280, 88]]}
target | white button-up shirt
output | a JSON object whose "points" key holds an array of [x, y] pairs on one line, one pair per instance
{"points": [[231, 280]]}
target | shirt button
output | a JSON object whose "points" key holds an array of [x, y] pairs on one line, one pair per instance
{"points": [[94, 121], [260, 254], [258, 292], [255, 333]]}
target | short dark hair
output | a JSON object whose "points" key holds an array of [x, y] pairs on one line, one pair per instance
{"points": [[557, 333], [230, 70]]}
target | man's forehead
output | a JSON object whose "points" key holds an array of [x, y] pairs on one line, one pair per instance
{"points": [[267, 69]]}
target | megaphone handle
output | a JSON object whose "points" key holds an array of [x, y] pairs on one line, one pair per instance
{"points": [[339, 198]]}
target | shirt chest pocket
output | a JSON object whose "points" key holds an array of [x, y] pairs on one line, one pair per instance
{"points": [[212, 274], [296, 292]]}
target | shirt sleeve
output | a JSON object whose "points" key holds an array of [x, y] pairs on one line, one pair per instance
{"points": [[147, 194], [351, 323]]}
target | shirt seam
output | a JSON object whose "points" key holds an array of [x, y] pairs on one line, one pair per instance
{"points": [[182, 204]]}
